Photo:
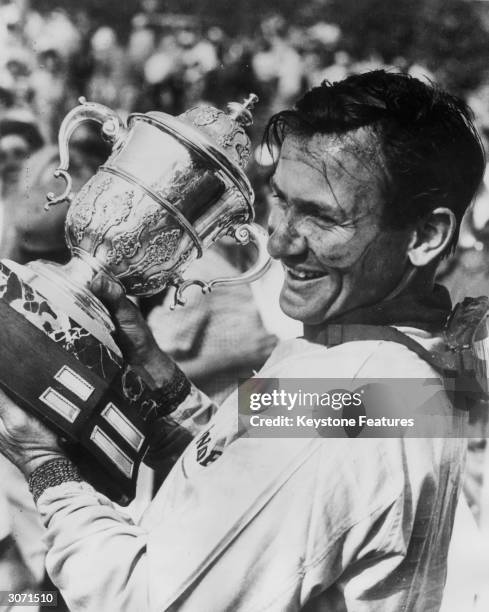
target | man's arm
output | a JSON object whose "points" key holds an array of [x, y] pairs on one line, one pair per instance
{"points": [[14, 574], [171, 435], [96, 556]]}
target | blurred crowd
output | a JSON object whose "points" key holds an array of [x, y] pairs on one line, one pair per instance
{"points": [[169, 62]]}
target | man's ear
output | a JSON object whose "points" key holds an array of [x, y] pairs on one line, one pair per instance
{"points": [[431, 237]]}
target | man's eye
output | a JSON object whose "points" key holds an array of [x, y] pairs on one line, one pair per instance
{"points": [[323, 220], [326, 220], [278, 200]]}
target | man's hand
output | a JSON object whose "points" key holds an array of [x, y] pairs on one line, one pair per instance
{"points": [[133, 335], [24, 440]]}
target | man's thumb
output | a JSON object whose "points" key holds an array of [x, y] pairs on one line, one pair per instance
{"points": [[111, 294]]}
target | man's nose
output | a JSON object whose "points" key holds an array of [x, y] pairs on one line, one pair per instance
{"points": [[285, 239]]}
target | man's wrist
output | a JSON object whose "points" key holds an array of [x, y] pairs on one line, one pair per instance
{"points": [[38, 459], [160, 367], [174, 391], [52, 473], [169, 385]]}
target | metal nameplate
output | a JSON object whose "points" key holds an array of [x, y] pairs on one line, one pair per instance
{"points": [[123, 426], [74, 382], [113, 452], [60, 404]]}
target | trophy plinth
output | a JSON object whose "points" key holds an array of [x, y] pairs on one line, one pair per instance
{"points": [[73, 377], [68, 287], [171, 187]]}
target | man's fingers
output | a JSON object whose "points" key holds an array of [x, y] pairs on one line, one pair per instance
{"points": [[132, 335], [112, 295], [5, 403], [12, 416], [107, 290]]}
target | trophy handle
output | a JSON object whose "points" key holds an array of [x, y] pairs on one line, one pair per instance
{"points": [[113, 129], [243, 234]]}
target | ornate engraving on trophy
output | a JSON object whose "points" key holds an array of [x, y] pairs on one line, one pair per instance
{"points": [[124, 246], [204, 115], [161, 248], [114, 211], [151, 283], [233, 137], [237, 138], [184, 257], [244, 152], [140, 285], [81, 213], [81, 216]]}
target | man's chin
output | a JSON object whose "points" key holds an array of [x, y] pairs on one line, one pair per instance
{"points": [[306, 312]]}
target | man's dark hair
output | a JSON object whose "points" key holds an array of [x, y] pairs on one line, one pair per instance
{"points": [[432, 152]]}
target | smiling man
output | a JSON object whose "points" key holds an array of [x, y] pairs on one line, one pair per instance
{"points": [[372, 178], [326, 225]]}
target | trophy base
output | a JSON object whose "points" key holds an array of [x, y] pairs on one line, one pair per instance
{"points": [[72, 376], [65, 286]]}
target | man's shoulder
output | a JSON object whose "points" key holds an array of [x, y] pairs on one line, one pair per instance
{"points": [[355, 359]]}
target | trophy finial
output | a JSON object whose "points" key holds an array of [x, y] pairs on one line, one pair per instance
{"points": [[226, 130], [242, 112]]}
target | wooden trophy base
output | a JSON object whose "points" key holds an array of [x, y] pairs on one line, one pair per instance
{"points": [[52, 366]]}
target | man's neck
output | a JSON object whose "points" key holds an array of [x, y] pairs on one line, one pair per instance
{"points": [[425, 307]]}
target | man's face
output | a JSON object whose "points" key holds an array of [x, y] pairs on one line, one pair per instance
{"points": [[326, 229]]}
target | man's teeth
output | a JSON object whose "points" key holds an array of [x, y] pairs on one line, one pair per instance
{"points": [[301, 275]]}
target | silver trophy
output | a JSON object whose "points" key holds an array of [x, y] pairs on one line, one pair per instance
{"points": [[171, 187]]}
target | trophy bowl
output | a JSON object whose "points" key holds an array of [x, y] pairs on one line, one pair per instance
{"points": [[171, 187]]}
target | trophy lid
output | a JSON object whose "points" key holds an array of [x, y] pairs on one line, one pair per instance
{"points": [[226, 130], [217, 136]]}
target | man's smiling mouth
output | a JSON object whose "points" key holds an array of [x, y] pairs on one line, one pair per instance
{"points": [[303, 275]]}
